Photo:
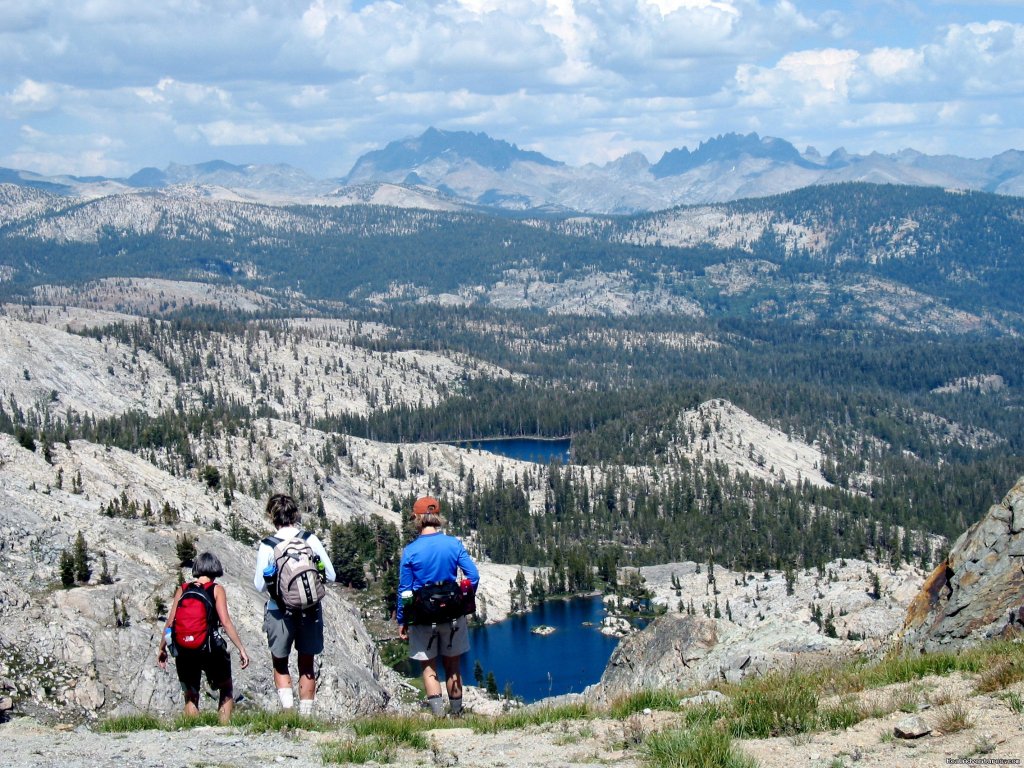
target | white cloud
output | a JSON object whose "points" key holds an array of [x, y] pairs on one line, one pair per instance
{"points": [[799, 80], [227, 133], [30, 96], [309, 96], [85, 154]]}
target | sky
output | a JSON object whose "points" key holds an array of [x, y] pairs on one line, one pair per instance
{"points": [[107, 87]]}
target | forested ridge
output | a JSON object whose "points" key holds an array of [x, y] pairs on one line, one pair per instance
{"points": [[955, 251]]}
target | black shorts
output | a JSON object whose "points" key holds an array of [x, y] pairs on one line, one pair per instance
{"points": [[192, 664]]}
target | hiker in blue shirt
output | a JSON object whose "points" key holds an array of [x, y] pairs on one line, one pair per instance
{"points": [[431, 558]]}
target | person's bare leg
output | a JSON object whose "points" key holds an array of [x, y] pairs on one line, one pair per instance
{"points": [[307, 676], [307, 683], [283, 680], [191, 703], [432, 687], [226, 705], [453, 681]]}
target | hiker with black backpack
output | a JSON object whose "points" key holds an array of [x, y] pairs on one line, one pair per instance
{"points": [[292, 566], [198, 611], [433, 603]]}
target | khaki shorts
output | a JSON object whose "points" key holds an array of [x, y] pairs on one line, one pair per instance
{"points": [[425, 642], [283, 630]]}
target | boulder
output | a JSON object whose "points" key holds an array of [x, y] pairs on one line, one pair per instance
{"points": [[912, 727]]}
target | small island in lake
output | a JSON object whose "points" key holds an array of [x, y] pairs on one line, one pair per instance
{"points": [[542, 629]]}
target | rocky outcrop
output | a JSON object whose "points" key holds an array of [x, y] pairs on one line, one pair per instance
{"points": [[668, 653], [978, 591], [680, 651], [765, 625]]}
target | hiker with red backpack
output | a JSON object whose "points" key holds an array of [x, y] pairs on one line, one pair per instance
{"points": [[433, 603], [292, 566], [198, 611]]}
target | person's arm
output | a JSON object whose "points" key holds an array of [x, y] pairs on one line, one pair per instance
{"points": [[220, 599], [161, 651], [404, 583], [263, 557], [468, 567]]}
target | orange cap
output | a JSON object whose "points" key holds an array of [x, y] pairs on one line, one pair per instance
{"points": [[428, 505]]}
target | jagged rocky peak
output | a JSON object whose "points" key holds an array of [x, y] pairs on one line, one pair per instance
{"points": [[728, 147], [977, 593], [451, 146]]}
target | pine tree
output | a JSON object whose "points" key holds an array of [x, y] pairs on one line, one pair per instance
{"points": [[80, 554], [106, 577], [186, 550], [67, 569], [348, 565]]}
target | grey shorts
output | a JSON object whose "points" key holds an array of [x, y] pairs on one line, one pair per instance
{"points": [[283, 630], [426, 642]]}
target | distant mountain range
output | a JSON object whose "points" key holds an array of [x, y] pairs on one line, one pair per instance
{"points": [[445, 170]]}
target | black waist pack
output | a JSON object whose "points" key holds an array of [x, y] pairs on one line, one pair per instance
{"points": [[440, 602]]}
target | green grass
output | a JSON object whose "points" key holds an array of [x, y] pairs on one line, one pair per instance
{"points": [[130, 724], [1001, 676], [649, 698], [252, 720], [206, 717], [903, 669], [358, 751], [523, 718], [260, 721], [702, 747], [775, 705], [705, 714], [1015, 702], [407, 730], [780, 704], [840, 717], [954, 718]]}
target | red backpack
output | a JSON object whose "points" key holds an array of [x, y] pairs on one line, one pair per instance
{"points": [[195, 617]]}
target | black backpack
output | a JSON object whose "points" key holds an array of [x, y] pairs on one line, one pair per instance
{"points": [[440, 602]]}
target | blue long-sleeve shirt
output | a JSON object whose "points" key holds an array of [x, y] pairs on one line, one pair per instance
{"points": [[433, 557]]}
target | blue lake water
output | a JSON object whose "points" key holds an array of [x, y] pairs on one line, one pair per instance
{"points": [[533, 449], [537, 666]]}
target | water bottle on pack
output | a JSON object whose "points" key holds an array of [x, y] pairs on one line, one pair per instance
{"points": [[169, 642]]}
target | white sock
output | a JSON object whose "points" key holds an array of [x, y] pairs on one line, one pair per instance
{"points": [[305, 707], [287, 697]]}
